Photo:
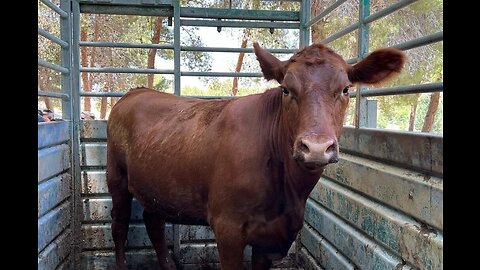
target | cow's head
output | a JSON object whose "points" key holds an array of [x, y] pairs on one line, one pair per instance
{"points": [[315, 84]]}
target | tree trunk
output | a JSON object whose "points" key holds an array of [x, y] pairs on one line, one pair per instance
{"points": [[85, 75], [413, 112], [157, 28], [238, 67], [43, 86], [103, 104], [318, 29], [431, 112]]}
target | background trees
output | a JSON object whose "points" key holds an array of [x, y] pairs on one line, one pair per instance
{"points": [[416, 112]]}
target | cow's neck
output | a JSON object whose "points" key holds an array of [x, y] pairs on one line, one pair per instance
{"points": [[296, 179]]}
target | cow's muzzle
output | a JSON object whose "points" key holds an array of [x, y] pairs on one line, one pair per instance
{"points": [[316, 151]]}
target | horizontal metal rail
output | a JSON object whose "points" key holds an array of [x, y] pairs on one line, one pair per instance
{"points": [[390, 9], [182, 48], [239, 14], [239, 24], [126, 70], [422, 41], [55, 67], [101, 94], [52, 38], [52, 94], [221, 74], [400, 90], [352, 60], [55, 8], [342, 33], [324, 13]]}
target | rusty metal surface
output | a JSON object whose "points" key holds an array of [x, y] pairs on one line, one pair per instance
{"points": [[420, 151], [414, 242], [52, 161], [94, 183], [99, 209], [406, 190], [323, 251], [359, 248]]}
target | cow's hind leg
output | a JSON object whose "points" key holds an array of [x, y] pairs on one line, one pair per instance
{"points": [[230, 244], [121, 210], [155, 225]]}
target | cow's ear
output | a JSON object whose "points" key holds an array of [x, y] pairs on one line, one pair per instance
{"points": [[377, 67], [272, 68]]}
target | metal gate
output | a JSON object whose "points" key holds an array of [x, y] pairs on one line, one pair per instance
{"points": [[380, 207]]}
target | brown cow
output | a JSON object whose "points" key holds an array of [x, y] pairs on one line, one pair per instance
{"points": [[244, 166]]}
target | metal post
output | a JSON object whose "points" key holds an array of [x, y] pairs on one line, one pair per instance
{"points": [[66, 36], [176, 47], [363, 43], [304, 39], [75, 150]]}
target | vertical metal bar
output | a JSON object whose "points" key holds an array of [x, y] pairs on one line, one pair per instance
{"points": [[176, 47], [363, 43], [75, 101], [304, 39], [66, 35], [371, 113]]}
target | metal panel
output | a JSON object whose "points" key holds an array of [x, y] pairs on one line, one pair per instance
{"points": [[196, 233], [361, 250], [241, 14], [402, 189], [136, 259], [411, 150], [52, 133], [93, 129], [323, 251], [55, 252], [93, 154], [52, 224], [239, 24], [202, 253], [307, 261], [52, 161], [94, 183], [99, 209], [99, 236], [52, 192], [414, 242]]}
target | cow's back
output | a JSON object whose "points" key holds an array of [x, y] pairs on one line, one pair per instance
{"points": [[163, 143]]}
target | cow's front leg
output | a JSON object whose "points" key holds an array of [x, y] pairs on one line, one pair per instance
{"points": [[230, 243], [260, 260]]}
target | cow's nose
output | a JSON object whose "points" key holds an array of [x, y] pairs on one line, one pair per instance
{"points": [[319, 152]]}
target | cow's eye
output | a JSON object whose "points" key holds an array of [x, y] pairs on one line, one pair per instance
{"points": [[285, 91], [345, 90]]}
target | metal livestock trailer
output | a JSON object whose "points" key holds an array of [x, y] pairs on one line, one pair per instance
{"points": [[380, 207]]}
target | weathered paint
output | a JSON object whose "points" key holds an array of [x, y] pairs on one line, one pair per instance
{"points": [[99, 209], [406, 190], [52, 161], [93, 130], [55, 252], [195, 233], [324, 252], [204, 253], [52, 133], [52, 192], [94, 183], [360, 249], [52, 224], [413, 150], [307, 261], [99, 236], [395, 230], [136, 259]]}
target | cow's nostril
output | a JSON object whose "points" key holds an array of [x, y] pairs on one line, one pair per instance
{"points": [[303, 147], [332, 148]]}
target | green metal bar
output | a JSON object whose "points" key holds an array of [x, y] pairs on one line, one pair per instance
{"points": [[55, 8], [52, 94], [363, 42], [240, 14], [176, 48], [352, 60], [325, 12], [149, 3], [52, 38], [125, 45], [425, 40], [126, 70], [221, 74], [182, 48], [239, 24], [384, 12], [66, 51], [401, 90], [304, 39], [340, 34], [55, 67], [161, 11]]}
